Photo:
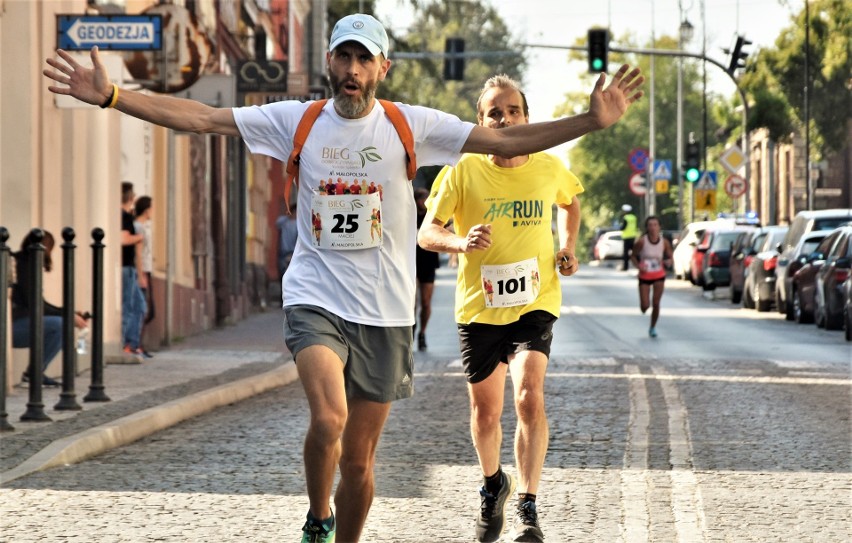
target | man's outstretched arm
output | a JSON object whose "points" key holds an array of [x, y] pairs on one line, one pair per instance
{"points": [[92, 85], [606, 106]]}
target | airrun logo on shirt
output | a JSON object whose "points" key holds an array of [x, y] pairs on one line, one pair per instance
{"points": [[345, 157], [521, 212]]}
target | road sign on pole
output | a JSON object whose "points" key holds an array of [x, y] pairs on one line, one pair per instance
{"points": [[735, 186], [638, 184], [114, 32], [638, 159], [662, 169]]}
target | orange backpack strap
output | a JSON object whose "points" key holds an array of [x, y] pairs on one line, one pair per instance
{"points": [[302, 131], [405, 135], [307, 122]]}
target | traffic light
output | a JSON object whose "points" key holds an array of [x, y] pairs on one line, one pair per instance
{"points": [[453, 65], [598, 42], [738, 56], [692, 167]]}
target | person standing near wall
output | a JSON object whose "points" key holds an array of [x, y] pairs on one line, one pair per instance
{"points": [[133, 307], [145, 257]]}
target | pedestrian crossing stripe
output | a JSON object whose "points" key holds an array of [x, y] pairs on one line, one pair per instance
{"points": [[662, 169]]}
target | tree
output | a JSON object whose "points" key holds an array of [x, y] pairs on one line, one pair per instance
{"points": [[420, 81], [600, 159], [829, 66]]}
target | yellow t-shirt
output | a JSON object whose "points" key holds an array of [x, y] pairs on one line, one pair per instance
{"points": [[518, 203]]}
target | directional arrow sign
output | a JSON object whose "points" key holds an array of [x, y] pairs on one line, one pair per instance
{"points": [[115, 32], [637, 183]]}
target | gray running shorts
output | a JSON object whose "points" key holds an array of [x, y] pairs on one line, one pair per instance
{"points": [[378, 362]]}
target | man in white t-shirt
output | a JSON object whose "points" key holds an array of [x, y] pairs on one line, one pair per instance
{"points": [[345, 281]]}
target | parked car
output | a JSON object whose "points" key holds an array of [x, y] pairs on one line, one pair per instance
{"points": [[803, 287], [830, 278], [745, 246], [759, 281], [807, 244], [715, 271], [609, 246], [803, 222], [847, 307], [686, 242]]}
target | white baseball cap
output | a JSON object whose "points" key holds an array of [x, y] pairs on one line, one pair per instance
{"points": [[364, 29], [626, 207]]}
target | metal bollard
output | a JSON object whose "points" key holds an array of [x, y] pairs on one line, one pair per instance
{"points": [[67, 398], [4, 311], [96, 389], [35, 406]]}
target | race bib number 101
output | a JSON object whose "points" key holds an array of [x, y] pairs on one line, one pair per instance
{"points": [[508, 285]]}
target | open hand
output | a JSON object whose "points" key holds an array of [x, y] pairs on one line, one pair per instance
{"points": [[606, 106], [90, 85]]}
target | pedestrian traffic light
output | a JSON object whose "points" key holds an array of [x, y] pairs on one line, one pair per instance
{"points": [[692, 169], [453, 64], [738, 56], [598, 43]]}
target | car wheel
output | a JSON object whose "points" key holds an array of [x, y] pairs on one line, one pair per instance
{"points": [[789, 314], [761, 305], [847, 314], [833, 322], [799, 309], [748, 301], [736, 296], [819, 316]]}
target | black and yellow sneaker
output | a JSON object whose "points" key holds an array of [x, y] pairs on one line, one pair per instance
{"points": [[318, 531], [492, 511]]}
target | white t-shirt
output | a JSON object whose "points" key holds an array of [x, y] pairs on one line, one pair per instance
{"points": [[374, 286]]}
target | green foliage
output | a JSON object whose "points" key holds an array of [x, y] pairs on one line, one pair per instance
{"points": [[420, 81], [781, 72], [600, 159]]}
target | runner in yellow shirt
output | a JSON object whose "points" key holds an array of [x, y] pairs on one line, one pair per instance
{"points": [[508, 295]]}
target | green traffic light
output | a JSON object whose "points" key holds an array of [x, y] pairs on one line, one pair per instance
{"points": [[692, 175], [597, 64]]}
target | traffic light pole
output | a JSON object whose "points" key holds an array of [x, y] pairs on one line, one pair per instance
{"points": [[679, 54]]}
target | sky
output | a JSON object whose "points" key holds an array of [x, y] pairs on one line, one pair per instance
{"points": [[560, 22]]}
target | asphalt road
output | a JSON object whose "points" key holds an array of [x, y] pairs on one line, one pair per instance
{"points": [[730, 426]]}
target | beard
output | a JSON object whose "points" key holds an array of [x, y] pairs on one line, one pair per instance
{"points": [[351, 107]]}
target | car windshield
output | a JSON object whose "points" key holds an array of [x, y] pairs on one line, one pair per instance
{"points": [[774, 238], [829, 223], [723, 240], [810, 246]]}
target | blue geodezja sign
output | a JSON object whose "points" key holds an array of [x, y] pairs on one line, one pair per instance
{"points": [[111, 32]]}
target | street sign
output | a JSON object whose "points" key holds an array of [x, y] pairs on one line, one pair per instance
{"points": [[662, 169], [661, 186], [638, 185], [732, 159], [735, 186], [114, 32], [707, 181], [638, 159], [705, 200]]}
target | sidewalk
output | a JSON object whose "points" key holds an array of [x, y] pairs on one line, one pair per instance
{"points": [[202, 373]]}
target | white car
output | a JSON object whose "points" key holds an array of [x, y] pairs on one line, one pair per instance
{"points": [[688, 239], [609, 246]]}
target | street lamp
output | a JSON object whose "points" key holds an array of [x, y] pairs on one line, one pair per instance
{"points": [[684, 35]]}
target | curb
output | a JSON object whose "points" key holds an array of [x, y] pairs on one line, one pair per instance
{"points": [[97, 440]]}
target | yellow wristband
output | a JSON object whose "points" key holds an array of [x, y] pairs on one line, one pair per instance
{"points": [[114, 96]]}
